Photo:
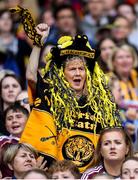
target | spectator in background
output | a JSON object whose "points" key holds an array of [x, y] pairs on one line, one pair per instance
{"points": [[17, 50], [13, 3], [113, 146], [20, 158], [93, 19], [129, 168], [110, 8], [103, 32], [123, 61], [66, 23], [15, 118], [120, 30], [122, 64], [106, 45], [127, 10], [47, 17], [35, 174], [10, 86], [56, 3], [116, 90], [63, 170], [129, 115]]}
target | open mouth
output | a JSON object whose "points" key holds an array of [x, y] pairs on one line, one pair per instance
{"points": [[15, 127], [77, 81]]}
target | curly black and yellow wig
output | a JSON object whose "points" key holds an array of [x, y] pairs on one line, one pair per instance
{"points": [[65, 104]]}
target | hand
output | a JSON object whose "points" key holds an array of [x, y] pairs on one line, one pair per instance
{"points": [[130, 128], [40, 164], [43, 30]]}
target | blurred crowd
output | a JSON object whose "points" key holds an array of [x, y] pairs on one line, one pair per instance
{"points": [[112, 27]]}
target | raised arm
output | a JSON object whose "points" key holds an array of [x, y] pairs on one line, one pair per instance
{"points": [[32, 67]]}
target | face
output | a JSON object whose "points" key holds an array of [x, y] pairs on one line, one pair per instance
{"points": [[130, 170], [113, 146], [15, 122], [35, 175], [116, 90], [95, 7], [121, 28], [23, 99], [126, 10], [23, 161], [48, 18], [13, 3], [106, 48], [66, 21], [10, 89], [5, 22], [75, 74], [123, 62], [109, 5], [63, 175]]}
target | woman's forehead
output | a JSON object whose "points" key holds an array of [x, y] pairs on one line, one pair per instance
{"points": [[75, 61], [113, 133]]}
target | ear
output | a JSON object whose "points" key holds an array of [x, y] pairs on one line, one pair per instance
{"points": [[10, 166]]}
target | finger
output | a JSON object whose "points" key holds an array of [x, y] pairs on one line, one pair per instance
{"points": [[39, 161], [43, 165], [45, 169], [42, 27]]}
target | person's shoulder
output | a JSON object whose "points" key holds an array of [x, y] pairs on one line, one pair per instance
{"points": [[7, 140], [92, 171], [4, 139]]}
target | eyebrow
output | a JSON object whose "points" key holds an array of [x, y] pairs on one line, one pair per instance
{"points": [[112, 140]]}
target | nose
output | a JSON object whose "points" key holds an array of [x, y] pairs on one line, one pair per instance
{"points": [[28, 158], [10, 88], [77, 72], [14, 120], [113, 146], [132, 175]]}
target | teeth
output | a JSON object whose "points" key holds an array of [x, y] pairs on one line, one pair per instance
{"points": [[28, 165], [15, 127]]}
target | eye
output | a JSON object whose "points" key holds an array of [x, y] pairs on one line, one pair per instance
{"points": [[72, 69], [81, 68], [66, 177], [125, 172], [118, 142], [15, 85], [32, 156], [19, 116], [106, 143], [136, 171], [23, 155], [6, 86], [9, 118]]}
